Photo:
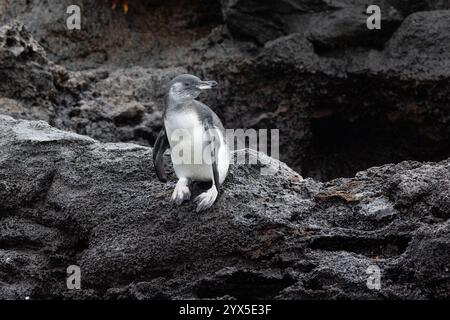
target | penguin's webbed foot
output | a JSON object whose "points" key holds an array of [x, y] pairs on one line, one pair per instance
{"points": [[206, 199], [181, 192]]}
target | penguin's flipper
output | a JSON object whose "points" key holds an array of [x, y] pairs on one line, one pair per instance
{"points": [[215, 144], [161, 145]]}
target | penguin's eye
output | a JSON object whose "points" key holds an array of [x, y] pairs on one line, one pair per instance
{"points": [[186, 84]]}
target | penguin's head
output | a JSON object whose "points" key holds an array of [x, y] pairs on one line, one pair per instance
{"points": [[188, 87]]}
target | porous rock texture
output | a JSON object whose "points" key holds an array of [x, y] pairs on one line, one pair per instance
{"points": [[66, 199], [345, 99]]}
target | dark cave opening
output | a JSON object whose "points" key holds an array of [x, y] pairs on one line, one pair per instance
{"points": [[341, 147]]}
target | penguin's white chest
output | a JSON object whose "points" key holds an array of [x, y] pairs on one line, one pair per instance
{"points": [[190, 149], [184, 131]]}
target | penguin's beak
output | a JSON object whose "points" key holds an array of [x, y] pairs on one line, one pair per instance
{"points": [[204, 85]]}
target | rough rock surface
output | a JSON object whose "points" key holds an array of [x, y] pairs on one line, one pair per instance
{"points": [[66, 199], [344, 98]]}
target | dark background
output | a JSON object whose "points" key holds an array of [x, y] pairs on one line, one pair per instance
{"points": [[344, 97]]}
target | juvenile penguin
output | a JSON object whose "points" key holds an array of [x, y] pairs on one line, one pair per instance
{"points": [[196, 137]]}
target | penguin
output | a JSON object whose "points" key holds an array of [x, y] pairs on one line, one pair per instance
{"points": [[196, 138]]}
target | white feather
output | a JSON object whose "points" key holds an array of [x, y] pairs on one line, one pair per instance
{"points": [[191, 127]]}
